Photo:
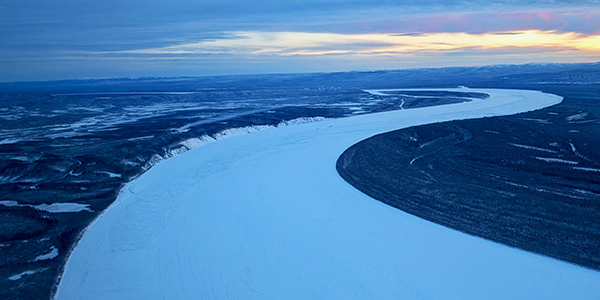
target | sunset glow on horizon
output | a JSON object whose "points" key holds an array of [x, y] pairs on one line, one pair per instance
{"points": [[187, 38], [306, 43]]}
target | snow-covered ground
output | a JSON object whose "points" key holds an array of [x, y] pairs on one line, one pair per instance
{"points": [[20, 275], [265, 216], [53, 207], [50, 255]]}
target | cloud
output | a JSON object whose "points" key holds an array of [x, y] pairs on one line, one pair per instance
{"points": [[307, 43], [59, 33]]}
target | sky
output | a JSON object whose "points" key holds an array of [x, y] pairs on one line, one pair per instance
{"points": [[64, 39]]}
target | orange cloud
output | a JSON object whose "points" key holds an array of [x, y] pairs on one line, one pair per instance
{"points": [[305, 43]]}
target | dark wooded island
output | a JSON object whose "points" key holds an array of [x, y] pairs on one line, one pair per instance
{"points": [[530, 180]]}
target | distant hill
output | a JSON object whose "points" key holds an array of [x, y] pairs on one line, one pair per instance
{"points": [[443, 77]]}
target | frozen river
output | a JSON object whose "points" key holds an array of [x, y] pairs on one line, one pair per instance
{"points": [[265, 215]]}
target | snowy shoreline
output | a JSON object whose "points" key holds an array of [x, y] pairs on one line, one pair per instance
{"points": [[194, 226]]}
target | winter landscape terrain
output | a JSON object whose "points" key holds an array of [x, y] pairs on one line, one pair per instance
{"points": [[529, 180], [265, 215], [69, 147]]}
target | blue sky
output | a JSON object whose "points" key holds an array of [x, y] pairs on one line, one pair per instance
{"points": [[60, 39]]}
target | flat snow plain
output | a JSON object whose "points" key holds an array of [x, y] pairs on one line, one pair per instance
{"points": [[265, 216]]}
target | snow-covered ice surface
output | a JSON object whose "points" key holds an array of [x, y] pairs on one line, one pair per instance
{"points": [[20, 275], [265, 216], [50, 255], [194, 143], [53, 207]]}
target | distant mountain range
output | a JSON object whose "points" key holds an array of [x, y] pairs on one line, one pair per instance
{"points": [[581, 73]]}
